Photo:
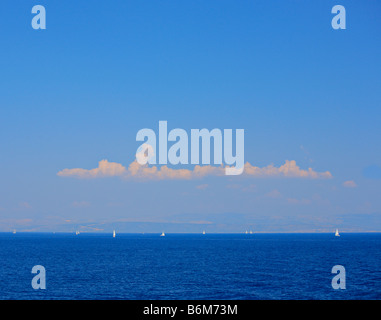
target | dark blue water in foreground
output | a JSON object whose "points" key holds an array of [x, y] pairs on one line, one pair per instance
{"points": [[211, 266]]}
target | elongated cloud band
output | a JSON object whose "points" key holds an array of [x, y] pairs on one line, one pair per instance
{"points": [[112, 169]]}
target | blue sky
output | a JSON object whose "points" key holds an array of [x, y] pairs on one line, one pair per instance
{"points": [[79, 91]]}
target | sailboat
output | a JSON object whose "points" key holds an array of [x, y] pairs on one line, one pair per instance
{"points": [[14, 231], [251, 232], [337, 233], [162, 234], [203, 232], [113, 234], [246, 232], [77, 233]]}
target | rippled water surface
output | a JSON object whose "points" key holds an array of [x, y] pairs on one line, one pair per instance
{"points": [[186, 266]]}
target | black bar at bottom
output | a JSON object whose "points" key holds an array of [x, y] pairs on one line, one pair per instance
{"points": [[192, 309]]}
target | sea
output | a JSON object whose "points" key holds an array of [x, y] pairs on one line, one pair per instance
{"points": [[190, 266]]}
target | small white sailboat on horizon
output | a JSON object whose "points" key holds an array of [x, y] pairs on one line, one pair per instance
{"points": [[246, 232], [14, 231], [337, 234], [113, 234], [162, 234], [203, 232], [77, 233]]}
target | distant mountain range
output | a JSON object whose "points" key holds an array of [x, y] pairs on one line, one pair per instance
{"points": [[213, 223]]}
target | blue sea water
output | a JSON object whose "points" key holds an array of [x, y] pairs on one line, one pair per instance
{"points": [[190, 266]]}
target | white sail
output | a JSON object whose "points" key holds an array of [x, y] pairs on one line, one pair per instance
{"points": [[113, 234], [203, 232], [14, 231], [337, 233], [162, 234]]}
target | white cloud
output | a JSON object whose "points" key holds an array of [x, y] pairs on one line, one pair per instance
{"points": [[105, 169], [289, 169], [349, 184], [112, 169]]}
